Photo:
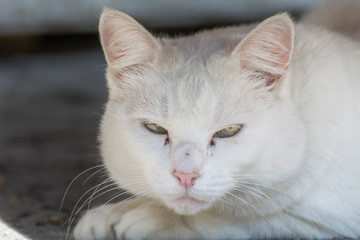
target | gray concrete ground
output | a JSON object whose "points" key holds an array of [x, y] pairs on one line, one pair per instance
{"points": [[50, 106]]}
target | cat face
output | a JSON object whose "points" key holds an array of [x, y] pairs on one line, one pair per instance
{"points": [[192, 122]]}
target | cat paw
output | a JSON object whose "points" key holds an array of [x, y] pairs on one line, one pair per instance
{"points": [[98, 223], [129, 220]]}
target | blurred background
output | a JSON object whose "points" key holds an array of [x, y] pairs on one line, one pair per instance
{"points": [[52, 93]]}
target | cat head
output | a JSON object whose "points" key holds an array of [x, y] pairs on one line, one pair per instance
{"points": [[199, 120]]}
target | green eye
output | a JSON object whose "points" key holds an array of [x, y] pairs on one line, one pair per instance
{"points": [[154, 128], [229, 131]]}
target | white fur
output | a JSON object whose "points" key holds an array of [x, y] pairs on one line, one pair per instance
{"points": [[292, 171]]}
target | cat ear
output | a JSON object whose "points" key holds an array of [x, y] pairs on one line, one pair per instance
{"points": [[268, 48], [126, 44]]}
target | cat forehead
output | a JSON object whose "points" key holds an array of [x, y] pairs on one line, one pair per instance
{"points": [[195, 90], [193, 77], [199, 67], [184, 92], [188, 63], [200, 60]]}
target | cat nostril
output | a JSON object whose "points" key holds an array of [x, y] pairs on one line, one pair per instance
{"points": [[186, 179]]}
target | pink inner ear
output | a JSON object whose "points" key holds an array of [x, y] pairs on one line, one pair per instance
{"points": [[282, 46], [269, 46], [125, 42]]}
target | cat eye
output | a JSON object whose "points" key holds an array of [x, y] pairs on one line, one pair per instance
{"points": [[154, 128], [229, 131]]}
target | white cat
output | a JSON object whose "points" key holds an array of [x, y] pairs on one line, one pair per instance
{"points": [[232, 133]]}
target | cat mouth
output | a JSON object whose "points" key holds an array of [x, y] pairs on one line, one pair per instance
{"points": [[188, 200], [187, 205]]}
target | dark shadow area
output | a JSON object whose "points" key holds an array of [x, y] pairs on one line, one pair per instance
{"points": [[52, 93]]}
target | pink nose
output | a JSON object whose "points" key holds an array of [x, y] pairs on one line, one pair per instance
{"points": [[186, 179]]}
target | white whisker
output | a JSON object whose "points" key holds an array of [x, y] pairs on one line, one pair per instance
{"points": [[79, 175]]}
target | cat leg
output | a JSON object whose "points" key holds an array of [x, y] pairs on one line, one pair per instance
{"points": [[146, 219], [135, 219]]}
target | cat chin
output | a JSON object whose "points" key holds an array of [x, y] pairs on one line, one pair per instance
{"points": [[187, 205]]}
